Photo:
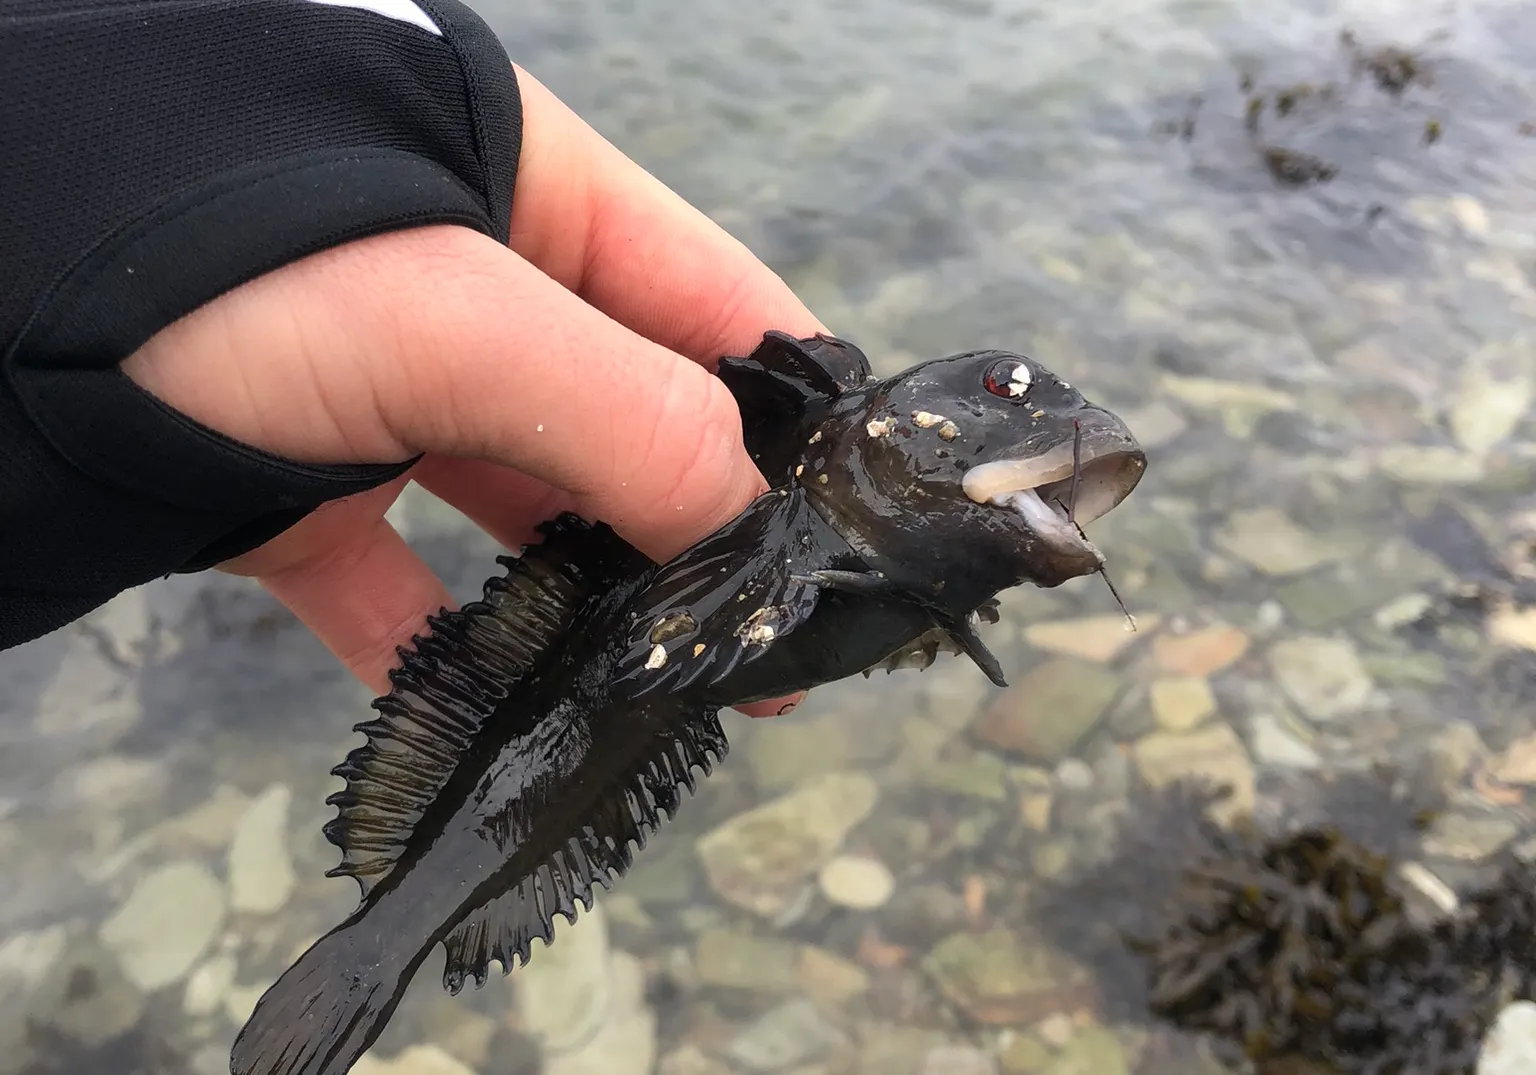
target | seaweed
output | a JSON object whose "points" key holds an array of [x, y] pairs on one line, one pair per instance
{"points": [[1300, 944]]}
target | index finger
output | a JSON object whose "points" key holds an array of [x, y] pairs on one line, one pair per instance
{"points": [[607, 229]]}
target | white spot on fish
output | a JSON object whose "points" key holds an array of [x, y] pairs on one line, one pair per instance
{"points": [[539, 428], [926, 419], [698, 648], [822, 478], [880, 427], [816, 436], [657, 658], [948, 431], [799, 470]]}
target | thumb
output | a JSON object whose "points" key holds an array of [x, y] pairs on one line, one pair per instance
{"points": [[440, 340]]}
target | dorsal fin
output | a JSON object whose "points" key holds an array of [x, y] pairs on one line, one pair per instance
{"points": [[450, 682], [782, 387], [505, 926]]}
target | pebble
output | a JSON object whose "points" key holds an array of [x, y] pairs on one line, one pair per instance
{"points": [[828, 978], [1181, 703], [1515, 627], [690, 1060], [1024, 1055], [792, 1033], [208, 985], [1000, 979], [563, 994], [1092, 1051], [1202, 652], [1074, 774], [1214, 753], [732, 959], [1468, 838], [1093, 638], [1516, 764], [261, 875], [1323, 676], [856, 881], [625, 1041], [958, 1060], [1510, 1047], [25, 958], [166, 924], [761, 860], [96, 703], [210, 824], [1277, 746], [1470, 214], [414, 1060], [1490, 404], [83, 997], [1430, 464], [1156, 424], [1452, 753], [1050, 710], [113, 780], [1268, 540]]}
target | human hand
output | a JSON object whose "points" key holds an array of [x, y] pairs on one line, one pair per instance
{"points": [[568, 372]]}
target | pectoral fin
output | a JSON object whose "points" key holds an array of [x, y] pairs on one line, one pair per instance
{"points": [[724, 601]]}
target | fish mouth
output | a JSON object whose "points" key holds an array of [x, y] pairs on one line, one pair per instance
{"points": [[1060, 490]]}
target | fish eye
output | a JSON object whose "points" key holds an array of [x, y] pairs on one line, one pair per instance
{"points": [[1008, 378]]}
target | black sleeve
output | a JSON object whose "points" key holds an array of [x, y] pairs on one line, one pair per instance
{"points": [[153, 155]]}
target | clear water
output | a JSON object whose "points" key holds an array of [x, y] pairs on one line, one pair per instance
{"points": [[1074, 181]]}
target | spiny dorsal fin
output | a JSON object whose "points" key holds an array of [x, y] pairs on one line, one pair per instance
{"points": [[785, 384], [450, 682], [505, 927]]}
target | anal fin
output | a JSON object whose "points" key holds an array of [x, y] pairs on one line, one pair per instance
{"points": [[450, 682], [504, 928]]}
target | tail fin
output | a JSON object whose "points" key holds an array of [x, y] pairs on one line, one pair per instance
{"points": [[321, 1015]]}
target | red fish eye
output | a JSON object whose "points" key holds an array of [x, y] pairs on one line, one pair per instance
{"points": [[1009, 378]]}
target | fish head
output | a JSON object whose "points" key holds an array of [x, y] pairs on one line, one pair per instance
{"points": [[976, 472]]}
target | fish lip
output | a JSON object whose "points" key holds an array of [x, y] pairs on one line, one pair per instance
{"points": [[1110, 466]]}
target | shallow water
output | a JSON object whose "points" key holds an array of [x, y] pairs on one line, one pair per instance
{"points": [[1331, 557]]}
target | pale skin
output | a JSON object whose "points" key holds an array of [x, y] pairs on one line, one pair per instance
{"points": [[571, 371]]}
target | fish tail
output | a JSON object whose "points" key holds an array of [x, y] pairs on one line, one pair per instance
{"points": [[325, 1011]]}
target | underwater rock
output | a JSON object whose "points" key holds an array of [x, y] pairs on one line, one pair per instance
{"points": [[1202, 652], [760, 860], [1510, 1048], [167, 923], [792, 1033], [1267, 539], [1181, 703], [1003, 979], [1323, 676], [857, 881], [1213, 753], [958, 1060], [261, 876], [415, 1060], [1092, 638], [1050, 710]]}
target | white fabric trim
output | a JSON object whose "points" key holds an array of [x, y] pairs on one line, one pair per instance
{"points": [[400, 10]]}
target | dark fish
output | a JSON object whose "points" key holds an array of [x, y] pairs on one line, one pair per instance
{"points": [[534, 735]]}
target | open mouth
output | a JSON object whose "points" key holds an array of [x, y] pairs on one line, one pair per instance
{"points": [[1059, 491]]}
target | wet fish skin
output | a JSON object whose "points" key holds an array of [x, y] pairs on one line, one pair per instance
{"points": [[532, 737]]}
